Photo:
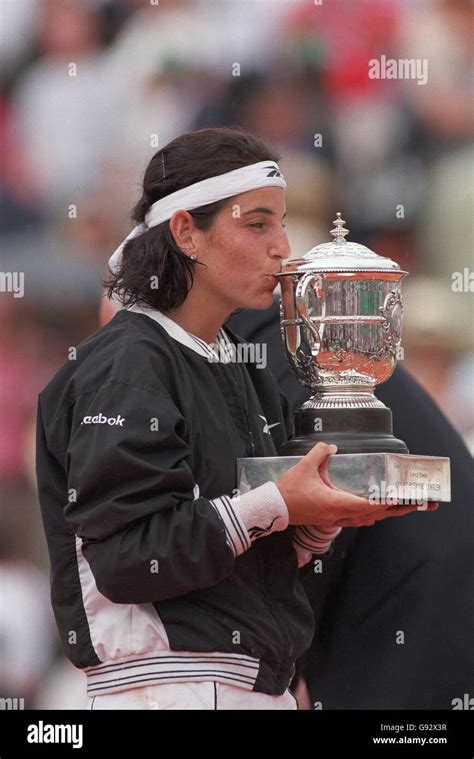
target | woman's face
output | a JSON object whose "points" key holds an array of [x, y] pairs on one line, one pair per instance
{"points": [[243, 250]]}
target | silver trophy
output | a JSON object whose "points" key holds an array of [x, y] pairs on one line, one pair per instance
{"points": [[341, 322]]}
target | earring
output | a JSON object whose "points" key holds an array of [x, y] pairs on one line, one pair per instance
{"points": [[193, 257]]}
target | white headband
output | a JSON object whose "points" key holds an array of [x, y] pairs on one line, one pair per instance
{"points": [[253, 177]]}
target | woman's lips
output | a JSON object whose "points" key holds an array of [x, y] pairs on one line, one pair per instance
{"points": [[272, 280]]}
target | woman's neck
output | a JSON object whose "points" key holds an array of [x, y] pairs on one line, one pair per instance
{"points": [[200, 316]]}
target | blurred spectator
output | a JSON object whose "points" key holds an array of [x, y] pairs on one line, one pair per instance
{"points": [[18, 384], [19, 22], [437, 351], [59, 103], [441, 32], [27, 631], [338, 39]]}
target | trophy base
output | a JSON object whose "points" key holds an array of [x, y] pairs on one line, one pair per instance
{"points": [[353, 430], [380, 477]]}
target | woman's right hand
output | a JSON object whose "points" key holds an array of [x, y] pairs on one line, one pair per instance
{"points": [[312, 499]]}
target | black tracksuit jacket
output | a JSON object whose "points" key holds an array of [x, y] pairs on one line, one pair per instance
{"points": [[135, 438]]}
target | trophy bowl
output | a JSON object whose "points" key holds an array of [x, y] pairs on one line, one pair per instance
{"points": [[341, 323]]}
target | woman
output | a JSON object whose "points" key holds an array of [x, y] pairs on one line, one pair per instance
{"points": [[170, 589]]}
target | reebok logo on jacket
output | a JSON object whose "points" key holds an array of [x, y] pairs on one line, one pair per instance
{"points": [[101, 419]]}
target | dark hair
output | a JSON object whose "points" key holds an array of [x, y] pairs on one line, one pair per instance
{"points": [[190, 158]]}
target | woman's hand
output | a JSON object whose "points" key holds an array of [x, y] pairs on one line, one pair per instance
{"points": [[311, 498]]}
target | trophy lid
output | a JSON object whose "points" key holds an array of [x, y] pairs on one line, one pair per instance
{"points": [[340, 255]]}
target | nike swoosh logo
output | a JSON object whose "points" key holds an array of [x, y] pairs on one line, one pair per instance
{"points": [[267, 427]]}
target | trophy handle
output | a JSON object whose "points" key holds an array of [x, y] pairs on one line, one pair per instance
{"points": [[301, 306]]}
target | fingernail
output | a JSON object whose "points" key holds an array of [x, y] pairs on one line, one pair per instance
{"points": [[333, 448]]}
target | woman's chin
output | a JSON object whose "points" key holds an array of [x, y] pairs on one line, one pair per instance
{"points": [[259, 302]]}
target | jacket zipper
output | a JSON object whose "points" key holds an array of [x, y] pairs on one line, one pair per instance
{"points": [[288, 653], [277, 618], [252, 444]]}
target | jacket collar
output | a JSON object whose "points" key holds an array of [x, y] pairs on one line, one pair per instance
{"points": [[174, 330]]}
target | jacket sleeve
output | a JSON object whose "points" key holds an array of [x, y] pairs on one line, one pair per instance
{"points": [[309, 541], [133, 501]]}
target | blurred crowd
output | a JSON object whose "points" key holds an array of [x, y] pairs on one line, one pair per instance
{"points": [[91, 88]]}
